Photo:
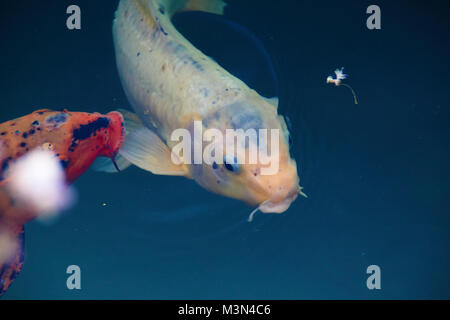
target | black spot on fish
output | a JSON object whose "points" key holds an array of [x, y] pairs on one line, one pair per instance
{"points": [[13, 275], [214, 165], [35, 123], [231, 166], [86, 130], [5, 164], [3, 133], [138, 54], [25, 135], [23, 144], [161, 9], [195, 64], [31, 132], [73, 145], [163, 31], [64, 163]]}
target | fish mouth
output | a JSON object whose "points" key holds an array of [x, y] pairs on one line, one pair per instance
{"points": [[270, 206]]}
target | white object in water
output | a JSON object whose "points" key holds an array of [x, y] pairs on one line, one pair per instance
{"points": [[38, 181], [340, 75]]}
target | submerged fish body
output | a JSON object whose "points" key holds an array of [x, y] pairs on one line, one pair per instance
{"points": [[75, 138], [170, 84]]}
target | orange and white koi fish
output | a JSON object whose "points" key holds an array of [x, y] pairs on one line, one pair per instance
{"points": [[171, 84], [75, 139]]}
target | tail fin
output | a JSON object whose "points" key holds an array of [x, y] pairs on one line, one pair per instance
{"points": [[10, 267], [174, 6], [211, 6]]}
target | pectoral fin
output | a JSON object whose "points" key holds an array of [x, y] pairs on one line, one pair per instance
{"points": [[143, 148], [131, 119], [104, 164]]}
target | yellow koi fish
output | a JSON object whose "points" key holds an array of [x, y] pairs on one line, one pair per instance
{"points": [[171, 84]]}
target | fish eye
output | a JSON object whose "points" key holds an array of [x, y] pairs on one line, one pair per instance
{"points": [[231, 164]]}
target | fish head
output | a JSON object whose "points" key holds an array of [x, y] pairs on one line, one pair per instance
{"points": [[91, 135], [114, 135], [258, 168]]}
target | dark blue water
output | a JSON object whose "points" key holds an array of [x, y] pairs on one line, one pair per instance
{"points": [[377, 173]]}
